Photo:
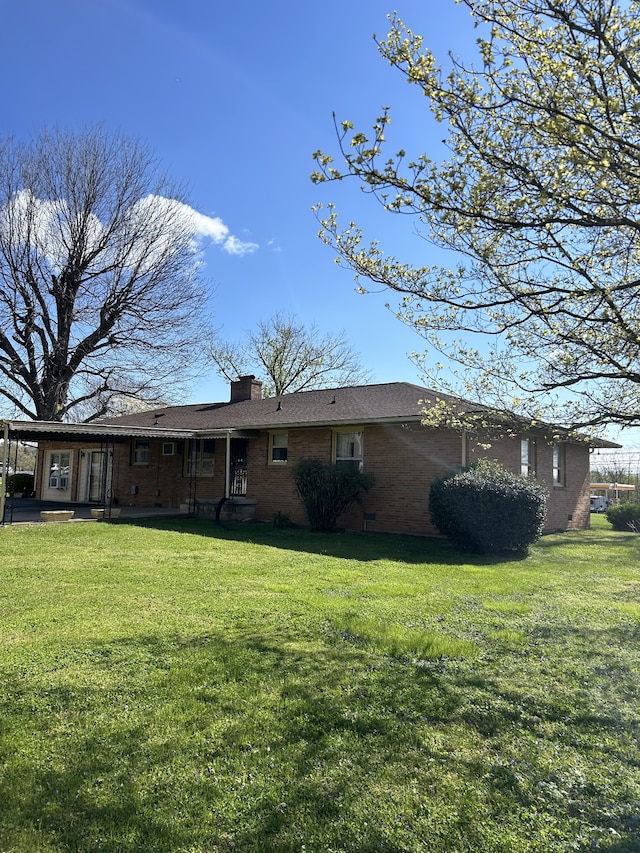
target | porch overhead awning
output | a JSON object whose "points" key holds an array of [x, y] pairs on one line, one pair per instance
{"points": [[34, 430], [39, 430]]}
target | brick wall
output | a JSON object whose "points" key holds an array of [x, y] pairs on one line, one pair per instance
{"points": [[163, 481], [160, 482], [568, 504], [402, 459], [272, 485]]}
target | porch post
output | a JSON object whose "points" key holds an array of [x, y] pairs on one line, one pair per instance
{"points": [[227, 472], [5, 468]]}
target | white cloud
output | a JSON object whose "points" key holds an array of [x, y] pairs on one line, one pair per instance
{"points": [[46, 224], [208, 226], [213, 228], [49, 220], [238, 247]]}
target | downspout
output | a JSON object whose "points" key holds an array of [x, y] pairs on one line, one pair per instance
{"points": [[463, 460], [5, 468]]}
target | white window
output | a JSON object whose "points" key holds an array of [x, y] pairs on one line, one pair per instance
{"points": [[559, 470], [59, 465], [200, 458], [527, 457], [278, 448], [348, 450], [141, 451], [169, 448]]}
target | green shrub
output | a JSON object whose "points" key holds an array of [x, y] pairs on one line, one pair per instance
{"points": [[327, 491], [21, 483], [487, 509], [624, 516]]}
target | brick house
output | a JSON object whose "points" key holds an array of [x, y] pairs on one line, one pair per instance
{"points": [[190, 457]]}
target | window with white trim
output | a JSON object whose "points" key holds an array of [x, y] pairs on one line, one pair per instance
{"points": [[559, 466], [278, 448], [527, 457], [348, 448], [141, 448], [59, 464], [201, 457]]}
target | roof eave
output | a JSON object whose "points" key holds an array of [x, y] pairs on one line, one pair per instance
{"points": [[33, 430], [335, 424]]}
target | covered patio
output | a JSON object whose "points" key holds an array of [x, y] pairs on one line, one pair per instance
{"points": [[28, 511], [95, 446]]}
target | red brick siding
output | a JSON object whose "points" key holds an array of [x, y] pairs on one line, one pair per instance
{"points": [[568, 504], [163, 480], [403, 461], [272, 485]]}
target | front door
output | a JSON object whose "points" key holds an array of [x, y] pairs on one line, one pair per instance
{"points": [[238, 467]]}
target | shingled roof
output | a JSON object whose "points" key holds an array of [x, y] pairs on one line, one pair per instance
{"points": [[391, 402], [388, 402]]}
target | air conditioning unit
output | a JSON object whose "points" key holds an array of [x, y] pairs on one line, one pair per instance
{"points": [[169, 448]]}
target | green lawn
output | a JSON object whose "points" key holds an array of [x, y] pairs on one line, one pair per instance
{"points": [[176, 687]]}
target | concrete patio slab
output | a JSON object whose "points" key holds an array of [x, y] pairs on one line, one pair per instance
{"points": [[28, 511]]}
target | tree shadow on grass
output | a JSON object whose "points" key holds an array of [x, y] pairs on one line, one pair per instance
{"points": [[351, 546], [582, 538], [254, 744], [263, 758]]}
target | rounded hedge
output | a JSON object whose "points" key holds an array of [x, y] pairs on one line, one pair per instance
{"points": [[624, 516], [487, 509], [327, 491], [21, 482]]}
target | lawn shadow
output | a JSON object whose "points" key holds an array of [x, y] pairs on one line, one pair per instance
{"points": [[227, 778], [361, 546], [252, 744], [599, 536]]}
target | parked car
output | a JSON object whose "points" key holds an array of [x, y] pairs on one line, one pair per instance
{"points": [[599, 503]]}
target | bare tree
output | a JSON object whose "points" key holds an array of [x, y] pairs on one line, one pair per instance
{"points": [[99, 291], [537, 197], [288, 356]]}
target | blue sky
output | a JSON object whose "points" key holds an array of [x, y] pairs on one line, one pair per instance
{"points": [[234, 97]]}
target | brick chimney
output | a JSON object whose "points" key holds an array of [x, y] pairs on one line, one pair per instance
{"points": [[246, 388]]}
